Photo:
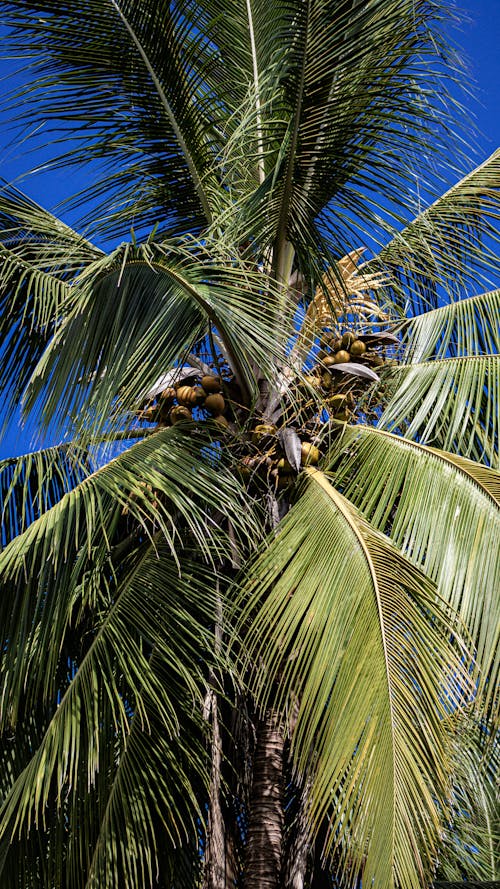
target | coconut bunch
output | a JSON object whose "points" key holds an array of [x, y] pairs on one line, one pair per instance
{"points": [[347, 366], [196, 398], [274, 456]]}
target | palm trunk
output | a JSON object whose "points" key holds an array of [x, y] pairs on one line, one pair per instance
{"points": [[214, 875], [265, 830], [299, 845]]}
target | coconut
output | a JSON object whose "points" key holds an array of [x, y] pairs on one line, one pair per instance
{"points": [[221, 421], [168, 394], [186, 395], [215, 403], [180, 414], [341, 357], [211, 383], [200, 394], [262, 430], [149, 415], [329, 360], [284, 467], [357, 348], [347, 339], [309, 454]]}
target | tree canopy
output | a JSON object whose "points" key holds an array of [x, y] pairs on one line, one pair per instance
{"points": [[250, 603]]}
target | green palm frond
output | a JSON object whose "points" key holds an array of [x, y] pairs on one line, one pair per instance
{"points": [[341, 71], [337, 620], [133, 315], [141, 671], [33, 483], [39, 255], [68, 560], [451, 244], [467, 327], [450, 403], [40, 238], [138, 70], [471, 841], [443, 512]]}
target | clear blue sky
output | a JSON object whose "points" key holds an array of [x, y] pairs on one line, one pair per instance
{"points": [[479, 35]]}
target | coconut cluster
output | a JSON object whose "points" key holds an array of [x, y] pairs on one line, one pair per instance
{"points": [[263, 452], [183, 402], [342, 391], [267, 461]]}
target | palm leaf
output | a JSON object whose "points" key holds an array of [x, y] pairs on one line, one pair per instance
{"points": [[153, 701], [134, 70], [132, 317], [450, 403], [38, 257], [33, 483], [471, 841], [342, 89], [451, 244], [67, 561], [443, 513], [466, 327], [337, 620]]}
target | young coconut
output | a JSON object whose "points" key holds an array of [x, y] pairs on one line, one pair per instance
{"points": [[186, 395], [347, 339], [168, 394], [180, 414], [221, 422], [200, 394], [309, 454], [357, 348], [149, 415], [211, 383], [215, 404], [341, 357]]}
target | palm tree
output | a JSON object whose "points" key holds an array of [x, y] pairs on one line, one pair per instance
{"points": [[250, 604]]}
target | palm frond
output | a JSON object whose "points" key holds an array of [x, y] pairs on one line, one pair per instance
{"points": [[443, 513], [471, 840], [450, 403], [336, 620], [33, 483], [343, 97], [38, 257], [451, 244], [466, 327], [138, 70], [40, 238], [141, 672], [67, 561], [135, 314]]}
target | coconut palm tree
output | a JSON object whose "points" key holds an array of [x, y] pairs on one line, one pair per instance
{"points": [[250, 603]]}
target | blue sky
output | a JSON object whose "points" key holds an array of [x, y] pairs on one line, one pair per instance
{"points": [[479, 36]]}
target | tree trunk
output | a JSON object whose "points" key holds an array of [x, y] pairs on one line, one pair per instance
{"points": [[299, 845], [214, 874], [265, 829]]}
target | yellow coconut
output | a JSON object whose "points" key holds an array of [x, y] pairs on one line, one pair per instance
{"points": [[309, 454], [211, 383], [215, 403]]}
